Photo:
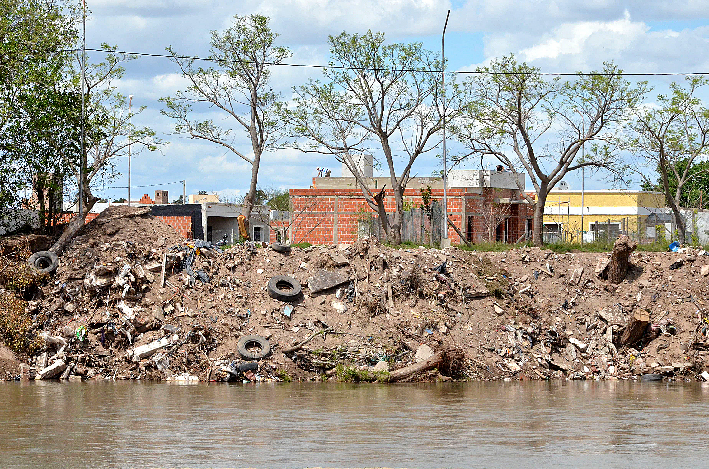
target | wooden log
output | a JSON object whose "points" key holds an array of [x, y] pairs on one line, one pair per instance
{"points": [[430, 363], [635, 329]]}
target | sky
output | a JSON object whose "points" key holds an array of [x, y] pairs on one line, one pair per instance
{"points": [[640, 36]]}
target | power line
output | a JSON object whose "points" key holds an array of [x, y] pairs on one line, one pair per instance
{"points": [[342, 67], [147, 185]]}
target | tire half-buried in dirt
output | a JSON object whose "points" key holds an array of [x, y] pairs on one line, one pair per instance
{"points": [[283, 288], [282, 248], [253, 347], [44, 261]]}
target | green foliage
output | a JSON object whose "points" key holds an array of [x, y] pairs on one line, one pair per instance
{"points": [[694, 191], [351, 374], [283, 375], [16, 329], [491, 246], [303, 245], [20, 277]]}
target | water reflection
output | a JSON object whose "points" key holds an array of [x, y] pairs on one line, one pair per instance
{"points": [[125, 424]]}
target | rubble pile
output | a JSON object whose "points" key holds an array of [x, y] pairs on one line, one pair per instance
{"points": [[131, 300]]}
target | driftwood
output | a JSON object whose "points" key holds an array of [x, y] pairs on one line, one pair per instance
{"points": [[300, 344], [428, 364], [635, 329], [618, 266]]}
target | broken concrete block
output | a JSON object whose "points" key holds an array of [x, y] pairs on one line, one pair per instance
{"points": [[338, 259], [423, 352], [53, 370], [705, 270], [325, 279], [146, 350], [576, 276]]}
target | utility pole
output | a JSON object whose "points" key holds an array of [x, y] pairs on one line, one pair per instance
{"points": [[445, 242], [83, 112], [130, 110], [184, 193]]}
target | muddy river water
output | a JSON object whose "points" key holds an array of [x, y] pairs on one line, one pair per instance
{"points": [[448, 425]]}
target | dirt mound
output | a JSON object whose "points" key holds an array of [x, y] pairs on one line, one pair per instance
{"points": [[132, 300]]}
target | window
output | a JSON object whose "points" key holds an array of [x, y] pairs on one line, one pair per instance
{"points": [[257, 233]]}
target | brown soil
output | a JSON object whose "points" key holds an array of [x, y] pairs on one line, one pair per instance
{"points": [[522, 314]]}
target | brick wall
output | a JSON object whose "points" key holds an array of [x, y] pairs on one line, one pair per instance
{"points": [[331, 216]]}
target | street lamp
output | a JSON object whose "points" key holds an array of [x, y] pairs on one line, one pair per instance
{"points": [[583, 168], [445, 242], [130, 107]]}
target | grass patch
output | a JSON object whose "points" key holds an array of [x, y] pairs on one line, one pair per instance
{"points": [[492, 247], [302, 245], [16, 326], [350, 374], [20, 277]]}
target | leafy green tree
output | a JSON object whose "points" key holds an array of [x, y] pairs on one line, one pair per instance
{"points": [[696, 187], [372, 93], [514, 113], [238, 85], [34, 38], [674, 137]]}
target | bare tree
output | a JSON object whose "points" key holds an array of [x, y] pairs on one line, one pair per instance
{"points": [[109, 133], [239, 86], [673, 136], [513, 113], [374, 93]]}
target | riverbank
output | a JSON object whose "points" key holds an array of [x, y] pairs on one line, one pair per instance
{"points": [[122, 305]]}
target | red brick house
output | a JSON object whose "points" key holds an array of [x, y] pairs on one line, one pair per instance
{"points": [[484, 205]]}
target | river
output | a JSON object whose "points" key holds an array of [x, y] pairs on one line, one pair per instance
{"points": [[297, 425]]}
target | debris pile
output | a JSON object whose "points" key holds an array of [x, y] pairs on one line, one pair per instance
{"points": [[131, 300]]}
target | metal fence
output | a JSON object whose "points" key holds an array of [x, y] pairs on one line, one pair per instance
{"points": [[418, 225]]}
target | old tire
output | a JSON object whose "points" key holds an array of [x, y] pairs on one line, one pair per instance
{"points": [[253, 347], [283, 288], [248, 366], [282, 248], [44, 261]]}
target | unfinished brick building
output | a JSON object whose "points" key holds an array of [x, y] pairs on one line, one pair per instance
{"points": [[484, 205]]}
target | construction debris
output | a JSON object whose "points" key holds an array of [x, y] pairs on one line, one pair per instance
{"points": [[128, 301]]}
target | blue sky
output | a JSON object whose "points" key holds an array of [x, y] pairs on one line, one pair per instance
{"points": [[557, 36]]}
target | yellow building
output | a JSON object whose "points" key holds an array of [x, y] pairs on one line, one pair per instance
{"points": [[606, 214]]}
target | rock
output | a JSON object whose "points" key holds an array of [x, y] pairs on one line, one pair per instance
{"points": [[338, 259], [423, 352], [325, 279], [705, 270], [582, 346], [575, 276], [498, 310], [705, 376], [380, 367], [612, 318], [53, 370], [339, 306]]}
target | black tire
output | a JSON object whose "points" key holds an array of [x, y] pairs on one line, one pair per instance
{"points": [[283, 288], [650, 377], [248, 341], [248, 366], [44, 261], [282, 248]]}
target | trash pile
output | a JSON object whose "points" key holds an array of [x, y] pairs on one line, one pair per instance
{"points": [[131, 300]]}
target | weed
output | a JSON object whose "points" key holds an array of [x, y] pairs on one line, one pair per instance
{"points": [[16, 326], [350, 374], [303, 245], [283, 375]]}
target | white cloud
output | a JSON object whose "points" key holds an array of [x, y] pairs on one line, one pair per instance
{"points": [[223, 165]]}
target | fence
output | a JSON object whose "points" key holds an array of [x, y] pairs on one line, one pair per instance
{"points": [[418, 225]]}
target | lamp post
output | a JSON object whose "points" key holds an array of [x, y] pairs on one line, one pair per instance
{"points": [[583, 168], [130, 107], [445, 242]]}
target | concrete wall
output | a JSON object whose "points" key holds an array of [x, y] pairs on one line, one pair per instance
{"points": [[17, 219]]}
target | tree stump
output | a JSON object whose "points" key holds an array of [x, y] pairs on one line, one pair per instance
{"points": [[618, 267], [635, 329]]}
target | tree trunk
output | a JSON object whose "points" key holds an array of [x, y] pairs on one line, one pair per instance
{"points": [[618, 267], [74, 225], [248, 205], [538, 224], [635, 329], [679, 222]]}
